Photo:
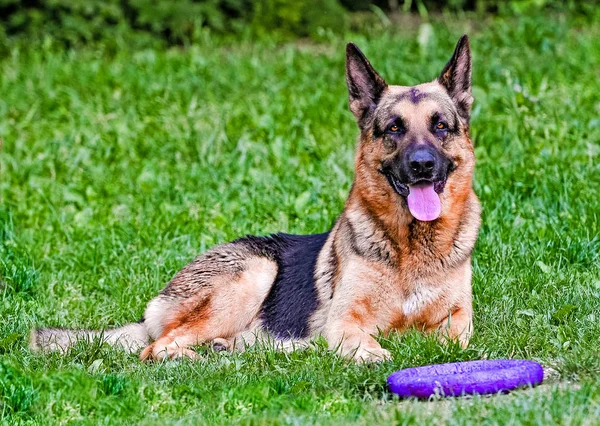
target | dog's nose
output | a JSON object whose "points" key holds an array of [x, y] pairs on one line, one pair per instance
{"points": [[421, 161]]}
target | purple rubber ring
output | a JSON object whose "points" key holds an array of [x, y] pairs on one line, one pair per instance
{"points": [[466, 378]]}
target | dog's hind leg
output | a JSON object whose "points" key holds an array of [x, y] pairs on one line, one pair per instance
{"points": [[224, 300]]}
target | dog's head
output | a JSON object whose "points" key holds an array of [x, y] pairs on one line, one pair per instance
{"points": [[415, 144]]}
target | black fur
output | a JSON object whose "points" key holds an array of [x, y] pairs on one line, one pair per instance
{"points": [[293, 297], [414, 95], [370, 247]]}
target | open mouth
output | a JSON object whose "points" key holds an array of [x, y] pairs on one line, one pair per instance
{"points": [[398, 186], [422, 197]]}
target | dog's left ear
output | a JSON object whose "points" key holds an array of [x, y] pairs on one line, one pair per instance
{"points": [[456, 78], [365, 86]]}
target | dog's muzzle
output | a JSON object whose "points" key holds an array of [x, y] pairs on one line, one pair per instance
{"points": [[419, 175]]}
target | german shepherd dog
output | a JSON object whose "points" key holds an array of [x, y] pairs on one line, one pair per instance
{"points": [[399, 255]]}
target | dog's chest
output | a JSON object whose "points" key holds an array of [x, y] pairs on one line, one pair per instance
{"points": [[418, 299]]}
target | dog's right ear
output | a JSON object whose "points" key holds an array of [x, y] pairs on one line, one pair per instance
{"points": [[365, 86]]}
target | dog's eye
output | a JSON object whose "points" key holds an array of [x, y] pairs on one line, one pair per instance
{"points": [[395, 128], [441, 126]]}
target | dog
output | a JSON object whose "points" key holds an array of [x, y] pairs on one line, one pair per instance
{"points": [[398, 256]]}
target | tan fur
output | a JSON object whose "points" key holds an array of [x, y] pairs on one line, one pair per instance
{"points": [[226, 309]]}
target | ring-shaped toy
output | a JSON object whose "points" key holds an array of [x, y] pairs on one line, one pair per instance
{"points": [[465, 378]]}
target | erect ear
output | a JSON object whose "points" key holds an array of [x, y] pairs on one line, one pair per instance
{"points": [[456, 78], [365, 86]]}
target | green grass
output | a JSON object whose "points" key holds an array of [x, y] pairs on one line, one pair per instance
{"points": [[119, 166]]}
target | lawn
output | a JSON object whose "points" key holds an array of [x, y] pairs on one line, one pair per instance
{"points": [[120, 165]]}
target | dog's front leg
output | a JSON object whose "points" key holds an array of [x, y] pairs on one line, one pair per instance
{"points": [[457, 326], [351, 341], [355, 314]]}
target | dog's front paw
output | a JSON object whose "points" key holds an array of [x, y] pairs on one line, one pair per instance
{"points": [[366, 354], [156, 352]]}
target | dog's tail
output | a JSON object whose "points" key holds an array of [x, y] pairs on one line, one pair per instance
{"points": [[131, 337]]}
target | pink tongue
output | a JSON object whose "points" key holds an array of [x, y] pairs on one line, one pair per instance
{"points": [[424, 202]]}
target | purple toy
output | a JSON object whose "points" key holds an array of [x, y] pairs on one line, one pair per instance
{"points": [[466, 378]]}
